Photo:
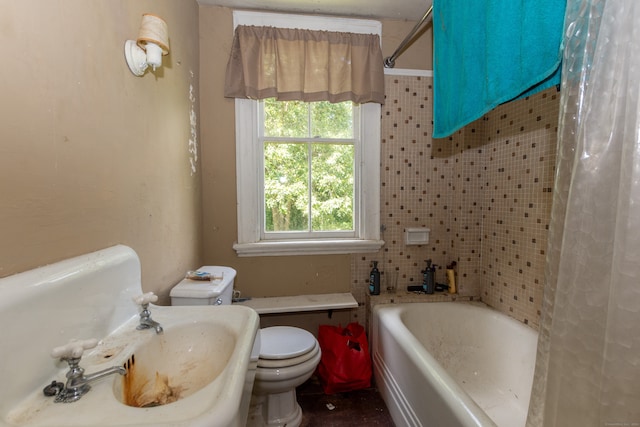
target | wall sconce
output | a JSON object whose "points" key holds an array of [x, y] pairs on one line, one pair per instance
{"points": [[151, 45]]}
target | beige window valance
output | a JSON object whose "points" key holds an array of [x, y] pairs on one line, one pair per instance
{"points": [[305, 65]]}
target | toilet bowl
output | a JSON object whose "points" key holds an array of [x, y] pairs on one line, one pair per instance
{"points": [[288, 357]]}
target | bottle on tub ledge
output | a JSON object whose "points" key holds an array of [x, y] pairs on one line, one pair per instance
{"points": [[451, 277], [374, 280], [429, 278]]}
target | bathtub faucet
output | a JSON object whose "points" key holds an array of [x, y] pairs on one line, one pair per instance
{"points": [[146, 322]]}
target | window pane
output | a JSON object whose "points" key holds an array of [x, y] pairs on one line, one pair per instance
{"points": [[286, 191], [332, 187], [332, 120], [286, 118]]}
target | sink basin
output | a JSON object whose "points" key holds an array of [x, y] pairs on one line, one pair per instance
{"points": [[198, 372], [175, 364]]}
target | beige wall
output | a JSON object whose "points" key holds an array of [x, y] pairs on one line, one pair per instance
{"points": [[90, 155], [418, 54], [260, 276]]}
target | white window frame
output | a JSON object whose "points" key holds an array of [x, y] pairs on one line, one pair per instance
{"points": [[249, 159]]}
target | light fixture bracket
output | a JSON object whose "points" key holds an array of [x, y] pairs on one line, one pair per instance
{"points": [[136, 57]]}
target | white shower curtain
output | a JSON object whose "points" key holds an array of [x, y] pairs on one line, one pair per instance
{"points": [[588, 365]]}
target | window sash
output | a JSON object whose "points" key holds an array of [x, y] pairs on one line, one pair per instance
{"points": [[310, 233]]}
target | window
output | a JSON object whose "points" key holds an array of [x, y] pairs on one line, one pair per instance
{"points": [[309, 168], [307, 173]]}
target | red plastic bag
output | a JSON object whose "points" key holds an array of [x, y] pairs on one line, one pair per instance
{"points": [[345, 364]]}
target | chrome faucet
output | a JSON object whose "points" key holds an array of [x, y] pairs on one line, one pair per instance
{"points": [[78, 384], [146, 322]]}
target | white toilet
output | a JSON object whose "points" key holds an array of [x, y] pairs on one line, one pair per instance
{"points": [[288, 356]]}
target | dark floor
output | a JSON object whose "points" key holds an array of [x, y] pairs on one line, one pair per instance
{"points": [[354, 408]]}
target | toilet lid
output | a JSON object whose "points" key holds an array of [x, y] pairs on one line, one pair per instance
{"points": [[284, 342], [290, 362]]}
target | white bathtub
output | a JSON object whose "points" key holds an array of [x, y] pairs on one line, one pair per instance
{"points": [[452, 364]]}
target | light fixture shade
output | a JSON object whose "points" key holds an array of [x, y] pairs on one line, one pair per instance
{"points": [[153, 29]]}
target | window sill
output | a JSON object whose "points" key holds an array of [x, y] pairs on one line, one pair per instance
{"points": [[307, 247]]}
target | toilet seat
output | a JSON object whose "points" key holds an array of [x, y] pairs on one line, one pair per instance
{"points": [[286, 376], [285, 342], [283, 363]]}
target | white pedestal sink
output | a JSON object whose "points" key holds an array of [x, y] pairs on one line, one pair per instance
{"points": [[197, 372]]}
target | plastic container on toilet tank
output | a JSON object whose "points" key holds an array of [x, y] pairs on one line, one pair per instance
{"points": [[217, 291]]}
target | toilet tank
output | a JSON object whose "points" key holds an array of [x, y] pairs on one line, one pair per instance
{"points": [[217, 291]]}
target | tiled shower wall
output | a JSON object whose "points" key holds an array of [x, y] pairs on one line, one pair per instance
{"points": [[519, 155], [485, 194]]}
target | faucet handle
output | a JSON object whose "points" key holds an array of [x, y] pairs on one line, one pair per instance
{"points": [[145, 298], [73, 349]]}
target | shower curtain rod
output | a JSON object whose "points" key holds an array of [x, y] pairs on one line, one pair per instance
{"points": [[390, 61]]}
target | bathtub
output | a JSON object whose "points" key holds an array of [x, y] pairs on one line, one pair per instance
{"points": [[452, 364]]}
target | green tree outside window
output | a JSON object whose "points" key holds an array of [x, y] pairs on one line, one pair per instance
{"points": [[308, 166]]}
